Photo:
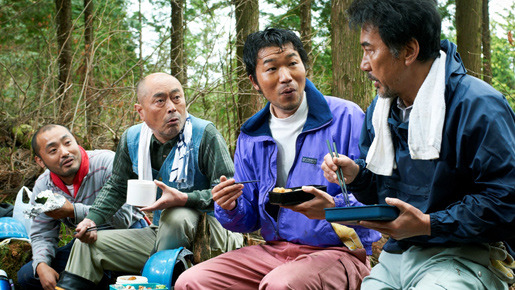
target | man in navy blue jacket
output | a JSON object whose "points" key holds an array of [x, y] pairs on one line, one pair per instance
{"points": [[440, 146]]}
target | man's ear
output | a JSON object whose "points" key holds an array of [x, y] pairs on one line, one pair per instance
{"points": [[39, 161], [412, 49], [254, 84], [139, 109]]}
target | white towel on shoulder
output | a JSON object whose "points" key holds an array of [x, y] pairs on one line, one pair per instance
{"points": [[180, 166], [144, 164], [425, 124]]}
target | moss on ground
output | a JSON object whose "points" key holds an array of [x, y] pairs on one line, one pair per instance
{"points": [[13, 256]]}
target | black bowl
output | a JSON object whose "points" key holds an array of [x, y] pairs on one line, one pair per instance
{"points": [[293, 197]]}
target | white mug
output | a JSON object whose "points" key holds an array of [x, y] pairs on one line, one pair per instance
{"points": [[141, 192]]}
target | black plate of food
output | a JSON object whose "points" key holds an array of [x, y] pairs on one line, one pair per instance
{"points": [[353, 214], [292, 196]]}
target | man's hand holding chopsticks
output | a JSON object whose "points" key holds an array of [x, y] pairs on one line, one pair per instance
{"points": [[83, 235], [349, 168], [226, 193]]}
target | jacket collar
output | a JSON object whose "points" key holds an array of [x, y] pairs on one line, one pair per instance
{"points": [[453, 65], [319, 114]]}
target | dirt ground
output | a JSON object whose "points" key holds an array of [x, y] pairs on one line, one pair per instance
{"points": [[14, 255]]}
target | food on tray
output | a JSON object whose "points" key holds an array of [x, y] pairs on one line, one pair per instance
{"points": [[148, 286], [281, 190]]}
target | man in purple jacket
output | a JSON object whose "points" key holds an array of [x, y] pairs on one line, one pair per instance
{"points": [[283, 145]]}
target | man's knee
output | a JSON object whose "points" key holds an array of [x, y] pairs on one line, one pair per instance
{"points": [[180, 217], [280, 282], [182, 281], [177, 228], [190, 279], [26, 276]]}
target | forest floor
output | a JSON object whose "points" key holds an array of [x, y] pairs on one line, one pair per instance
{"points": [[17, 169]]}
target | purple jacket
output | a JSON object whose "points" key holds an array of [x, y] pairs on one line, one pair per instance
{"points": [[329, 118]]}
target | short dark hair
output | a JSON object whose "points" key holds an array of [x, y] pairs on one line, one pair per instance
{"points": [[34, 141], [399, 21], [270, 37]]}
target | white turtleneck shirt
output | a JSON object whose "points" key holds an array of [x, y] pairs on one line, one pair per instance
{"points": [[285, 132]]}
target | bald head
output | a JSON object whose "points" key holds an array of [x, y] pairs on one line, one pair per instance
{"points": [[143, 89], [161, 105]]}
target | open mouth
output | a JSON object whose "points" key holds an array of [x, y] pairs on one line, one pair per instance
{"points": [[288, 91], [376, 81], [172, 121], [67, 162], [372, 78]]}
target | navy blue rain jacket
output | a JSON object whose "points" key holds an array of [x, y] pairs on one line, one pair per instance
{"points": [[469, 191]]}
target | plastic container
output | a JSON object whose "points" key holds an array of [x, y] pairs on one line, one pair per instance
{"points": [[136, 286], [353, 214], [293, 197], [131, 279]]}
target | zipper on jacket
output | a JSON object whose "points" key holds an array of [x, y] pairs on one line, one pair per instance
{"points": [[276, 229]]}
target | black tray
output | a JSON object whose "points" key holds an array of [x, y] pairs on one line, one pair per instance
{"points": [[353, 214], [293, 197]]}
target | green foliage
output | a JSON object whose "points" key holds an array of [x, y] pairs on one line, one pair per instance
{"points": [[321, 49], [23, 134], [65, 235], [28, 57], [503, 56], [289, 19], [447, 10]]}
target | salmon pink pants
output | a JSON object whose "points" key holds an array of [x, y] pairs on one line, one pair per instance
{"points": [[279, 265]]}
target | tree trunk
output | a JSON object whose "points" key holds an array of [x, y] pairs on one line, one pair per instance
{"points": [[247, 21], [468, 34], [306, 32], [92, 111], [140, 40], [64, 28], [349, 82], [177, 63], [487, 54]]}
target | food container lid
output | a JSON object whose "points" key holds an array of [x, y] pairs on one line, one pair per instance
{"points": [[131, 279]]}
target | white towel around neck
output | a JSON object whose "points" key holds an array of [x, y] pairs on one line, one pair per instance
{"points": [[180, 164], [144, 164], [425, 123]]}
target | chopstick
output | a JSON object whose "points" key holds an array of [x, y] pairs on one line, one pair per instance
{"points": [[241, 182], [96, 228], [339, 173]]}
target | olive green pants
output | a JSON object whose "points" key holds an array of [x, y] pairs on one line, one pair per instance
{"points": [[128, 250]]}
